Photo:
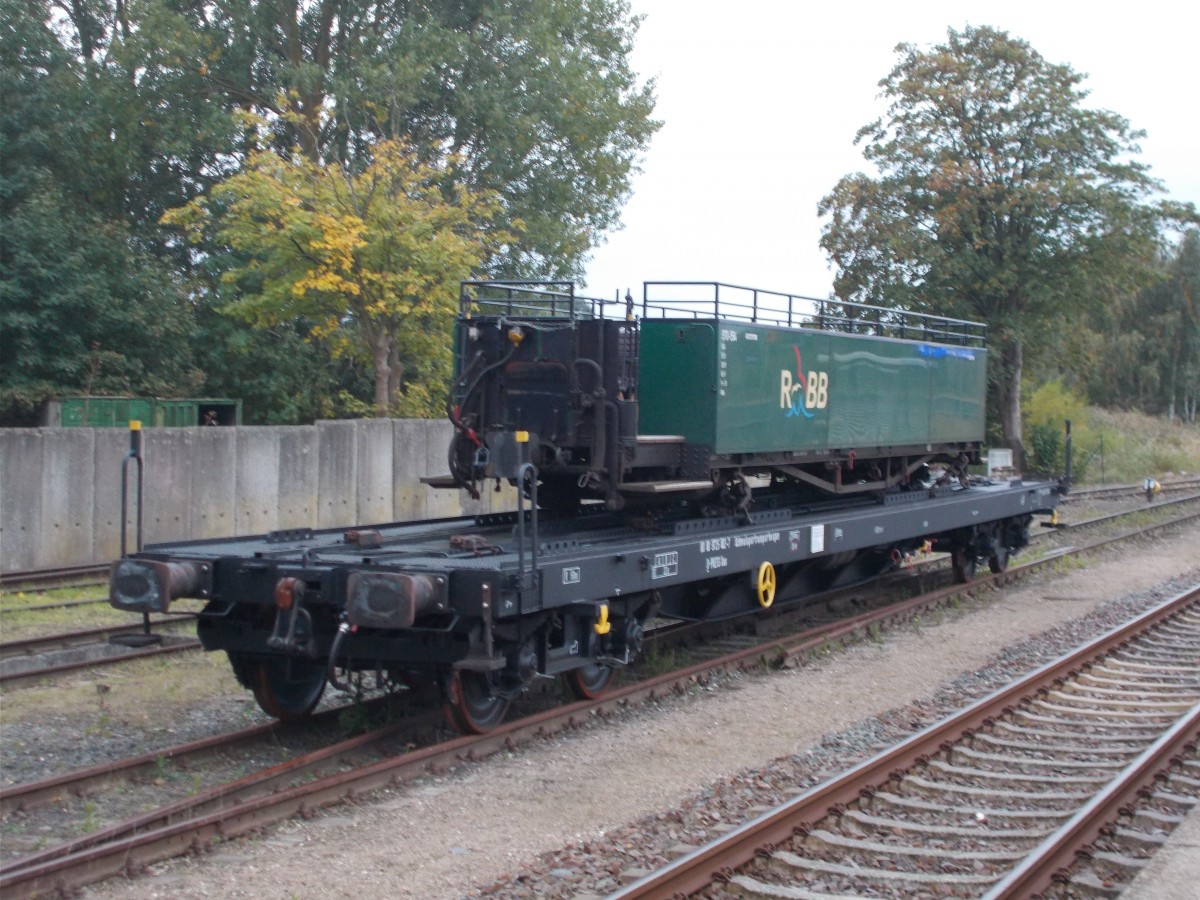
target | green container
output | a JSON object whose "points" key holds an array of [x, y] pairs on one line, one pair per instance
{"points": [[182, 413], [104, 412], [740, 387], [117, 412]]}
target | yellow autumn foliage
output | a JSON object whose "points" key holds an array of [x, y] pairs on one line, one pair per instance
{"points": [[371, 257]]}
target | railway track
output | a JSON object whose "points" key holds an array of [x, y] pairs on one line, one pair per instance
{"points": [[997, 800], [62, 576], [305, 785], [35, 660], [149, 768], [84, 637], [1119, 491]]}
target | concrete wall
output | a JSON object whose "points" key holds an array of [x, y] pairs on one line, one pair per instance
{"points": [[60, 488]]}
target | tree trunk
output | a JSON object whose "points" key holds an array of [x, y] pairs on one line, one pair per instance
{"points": [[381, 351], [1173, 369], [1008, 396], [395, 373]]}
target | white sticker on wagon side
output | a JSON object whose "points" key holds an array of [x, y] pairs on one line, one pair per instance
{"points": [[816, 541]]}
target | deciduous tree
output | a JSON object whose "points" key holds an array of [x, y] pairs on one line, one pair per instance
{"points": [[373, 258], [1144, 351], [534, 98], [114, 112], [1000, 196], [91, 153]]}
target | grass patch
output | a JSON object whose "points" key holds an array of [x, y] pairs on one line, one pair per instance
{"points": [[658, 661], [16, 599], [148, 693], [17, 623], [1125, 447], [20, 624]]}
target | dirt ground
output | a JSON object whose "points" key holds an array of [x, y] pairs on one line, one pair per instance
{"points": [[447, 837]]}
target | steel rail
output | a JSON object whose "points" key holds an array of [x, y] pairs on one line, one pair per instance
{"points": [[130, 854], [62, 604], [81, 781], [1162, 504], [719, 858], [222, 797], [66, 640], [1123, 490], [54, 575], [14, 679], [1050, 861]]}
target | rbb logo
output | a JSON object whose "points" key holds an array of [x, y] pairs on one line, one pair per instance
{"points": [[802, 393]]}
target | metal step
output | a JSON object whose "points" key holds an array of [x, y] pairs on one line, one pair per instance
{"points": [[660, 439], [665, 487]]}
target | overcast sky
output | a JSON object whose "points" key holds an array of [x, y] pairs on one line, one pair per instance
{"points": [[760, 102]]}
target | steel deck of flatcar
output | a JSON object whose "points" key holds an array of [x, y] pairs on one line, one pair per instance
{"points": [[581, 560]]}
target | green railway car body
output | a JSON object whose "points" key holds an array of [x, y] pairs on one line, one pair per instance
{"points": [[708, 389], [744, 388]]}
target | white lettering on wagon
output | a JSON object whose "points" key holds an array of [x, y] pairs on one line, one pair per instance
{"points": [[757, 540], [571, 575]]}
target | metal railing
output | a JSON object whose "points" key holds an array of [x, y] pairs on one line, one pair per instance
{"points": [[715, 300], [525, 299], [731, 302]]}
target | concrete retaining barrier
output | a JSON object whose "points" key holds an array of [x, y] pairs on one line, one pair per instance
{"points": [[60, 488]]}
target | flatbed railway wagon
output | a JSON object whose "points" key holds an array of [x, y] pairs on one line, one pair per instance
{"points": [[702, 460]]}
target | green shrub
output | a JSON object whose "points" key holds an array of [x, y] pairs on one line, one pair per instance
{"points": [[1109, 445], [1044, 414]]}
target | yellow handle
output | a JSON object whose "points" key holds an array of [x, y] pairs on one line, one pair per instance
{"points": [[766, 585]]}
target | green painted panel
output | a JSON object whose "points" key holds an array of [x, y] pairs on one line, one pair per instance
{"points": [[117, 412], [105, 412], [677, 379], [772, 390], [881, 391], [958, 392], [175, 413], [745, 388]]}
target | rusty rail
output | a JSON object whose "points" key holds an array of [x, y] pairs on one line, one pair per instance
{"points": [[69, 870], [717, 859]]}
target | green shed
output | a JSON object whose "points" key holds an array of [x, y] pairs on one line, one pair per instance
{"points": [[117, 412]]}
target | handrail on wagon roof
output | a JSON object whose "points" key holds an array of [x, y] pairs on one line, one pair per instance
{"points": [[715, 300], [523, 298]]}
